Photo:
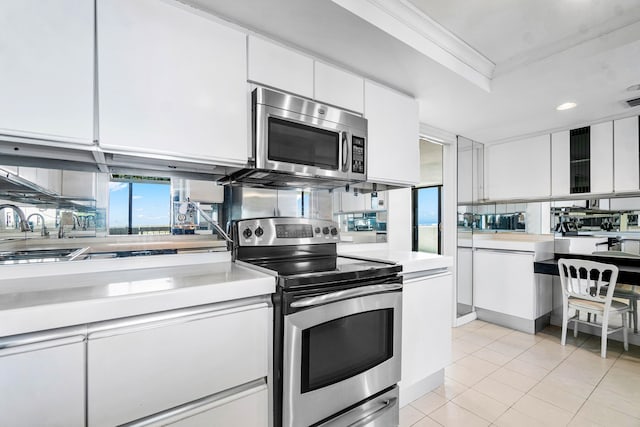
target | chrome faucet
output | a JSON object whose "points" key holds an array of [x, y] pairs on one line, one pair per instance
{"points": [[24, 226], [43, 232], [210, 220]]}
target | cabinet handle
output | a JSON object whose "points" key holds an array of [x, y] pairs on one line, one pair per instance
{"points": [[141, 324], [8, 349]]}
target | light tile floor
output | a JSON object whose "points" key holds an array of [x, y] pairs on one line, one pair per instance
{"points": [[502, 377]]}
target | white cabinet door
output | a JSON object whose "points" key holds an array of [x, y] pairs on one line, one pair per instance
{"points": [[426, 330], [626, 151], [337, 87], [279, 67], [601, 158], [43, 384], [394, 153], [140, 370], [560, 155], [519, 169], [46, 77], [172, 82], [504, 282]]}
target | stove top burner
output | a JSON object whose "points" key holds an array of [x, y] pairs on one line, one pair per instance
{"points": [[302, 252], [295, 273]]}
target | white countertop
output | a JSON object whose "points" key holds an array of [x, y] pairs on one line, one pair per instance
{"points": [[94, 290], [411, 261], [509, 241]]}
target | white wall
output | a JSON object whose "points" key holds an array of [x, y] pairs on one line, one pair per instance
{"points": [[399, 219]]}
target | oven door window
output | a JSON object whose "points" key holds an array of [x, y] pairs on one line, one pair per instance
{"points": [[345, 347], [297, 143]]}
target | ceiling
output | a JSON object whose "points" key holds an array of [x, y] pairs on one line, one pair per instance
{"points": [[543, 53]]}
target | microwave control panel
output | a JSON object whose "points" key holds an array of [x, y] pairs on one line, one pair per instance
{"points": [[357, 154]]}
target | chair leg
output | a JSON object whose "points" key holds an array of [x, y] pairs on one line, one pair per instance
{"points": [[605, 334], [589, 317], [565, 321], [575, 328], [634, 315], [625, 339]]}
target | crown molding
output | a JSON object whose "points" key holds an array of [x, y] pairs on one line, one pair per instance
{"points": [[407, 23]]}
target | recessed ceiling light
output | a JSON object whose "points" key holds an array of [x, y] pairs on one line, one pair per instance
{"points": [[566, 106], [633, 88]]}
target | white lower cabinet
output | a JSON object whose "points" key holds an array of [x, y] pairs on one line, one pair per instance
{"points": [[426, 332], [506, 286], [140, 368], [42, 382]]}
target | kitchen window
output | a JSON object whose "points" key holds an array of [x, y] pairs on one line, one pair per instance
{"points": [[139, 205]]}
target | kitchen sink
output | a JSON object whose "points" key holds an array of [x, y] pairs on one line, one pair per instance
{"points": [[38, 255], [71, 254]]}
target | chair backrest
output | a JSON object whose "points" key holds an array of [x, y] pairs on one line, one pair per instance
{"points": [[585, 279]]}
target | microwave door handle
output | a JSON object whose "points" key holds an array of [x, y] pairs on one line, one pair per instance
{"points": [[346, 294], [345, 151]]}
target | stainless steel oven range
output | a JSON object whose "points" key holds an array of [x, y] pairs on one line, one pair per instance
{"points": [[337, 324]]}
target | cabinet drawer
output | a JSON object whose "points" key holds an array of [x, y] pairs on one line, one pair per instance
{"points": [[43, 383], [140, 370]]}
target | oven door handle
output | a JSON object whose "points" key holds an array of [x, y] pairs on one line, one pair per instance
{"points": [[346, 294], [386, 405]]}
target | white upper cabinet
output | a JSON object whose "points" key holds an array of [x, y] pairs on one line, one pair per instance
{"points": [[337, 87], [393, 150], [560, 180], [172, 82], [601, 163], [46, 76], [281, 68], [519, 169], [600, 178], [626, 151]]}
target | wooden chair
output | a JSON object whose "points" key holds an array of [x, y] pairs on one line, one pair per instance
{"points": [[582, 282]]}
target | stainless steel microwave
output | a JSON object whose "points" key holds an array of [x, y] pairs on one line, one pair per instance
{"points": [[297, 136]]}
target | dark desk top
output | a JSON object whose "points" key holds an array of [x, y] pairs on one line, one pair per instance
{"points": [[628, 269]]}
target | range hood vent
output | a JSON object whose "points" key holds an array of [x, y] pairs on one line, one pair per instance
{"points": [[261, 178], [633, 102]]}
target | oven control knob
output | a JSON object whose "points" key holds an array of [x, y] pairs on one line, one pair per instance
{"points": [[317, 230], [259, 232], [334, 231], [247, 233], [325, 230]]}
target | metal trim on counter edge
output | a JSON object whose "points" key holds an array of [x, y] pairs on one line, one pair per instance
{"points": [[143, 322], [201, 405]]}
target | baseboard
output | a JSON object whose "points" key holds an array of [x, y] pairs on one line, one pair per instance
{"points": [[467, 318], [410, 393], [513, 322]]}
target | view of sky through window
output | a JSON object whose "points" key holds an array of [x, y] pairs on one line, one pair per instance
{"points": [[150, 204]]}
